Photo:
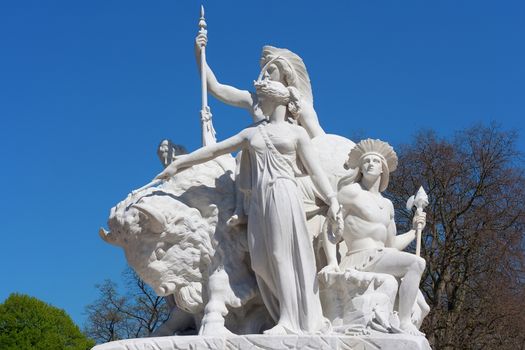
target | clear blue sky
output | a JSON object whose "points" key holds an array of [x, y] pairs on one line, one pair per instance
{"points": [[89, 88]]}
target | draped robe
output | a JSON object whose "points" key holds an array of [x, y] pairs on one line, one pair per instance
{"points": [[280, 247]]}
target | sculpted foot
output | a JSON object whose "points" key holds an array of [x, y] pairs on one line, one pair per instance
{"points": [[277, 330], [410, 328], [214, 330]]}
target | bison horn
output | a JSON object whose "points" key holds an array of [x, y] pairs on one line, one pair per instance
{"points": [[156, 220], [106, 236]]}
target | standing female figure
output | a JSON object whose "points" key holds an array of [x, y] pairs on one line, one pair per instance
{"points": [[280, 247]]}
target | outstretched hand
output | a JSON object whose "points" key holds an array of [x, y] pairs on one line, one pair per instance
{"points": [[170, 171]]}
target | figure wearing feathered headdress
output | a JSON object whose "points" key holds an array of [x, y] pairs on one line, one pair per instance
{"points": [[379, 148]]}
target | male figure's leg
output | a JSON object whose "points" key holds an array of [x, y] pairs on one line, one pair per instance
{"points": [[409, 269]]}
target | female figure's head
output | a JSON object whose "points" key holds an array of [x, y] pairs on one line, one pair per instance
{"points": [[274, 87], [271, 94], [286, 67]]}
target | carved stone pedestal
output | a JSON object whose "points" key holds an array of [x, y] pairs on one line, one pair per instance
{"points": [[358, 302], [264, 342]]}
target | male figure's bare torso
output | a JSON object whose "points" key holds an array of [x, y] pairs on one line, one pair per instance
{"points": [[367, 217]]}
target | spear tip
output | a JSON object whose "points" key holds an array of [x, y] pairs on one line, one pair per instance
{"points": [[202, 20]]}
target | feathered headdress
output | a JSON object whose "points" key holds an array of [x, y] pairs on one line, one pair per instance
{"points": [[380, 148]]}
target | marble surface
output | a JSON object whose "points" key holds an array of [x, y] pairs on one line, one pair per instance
{"points": [[263, 342], [235, 242]]}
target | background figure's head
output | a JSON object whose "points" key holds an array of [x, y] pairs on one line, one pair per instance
{"points": [[287, 68], [371, 165], [373, 157], [167, 150]]}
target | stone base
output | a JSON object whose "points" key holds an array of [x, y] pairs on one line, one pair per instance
{"points": [[265, 342]]}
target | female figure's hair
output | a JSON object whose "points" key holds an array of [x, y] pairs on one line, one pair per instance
{"points": [[287, 93], [292, 67]]}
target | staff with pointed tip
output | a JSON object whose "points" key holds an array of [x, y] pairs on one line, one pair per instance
{"points": [[208, 132], [420, 201]]}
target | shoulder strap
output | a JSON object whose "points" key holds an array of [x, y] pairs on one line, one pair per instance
{"points": [[269, 144]]}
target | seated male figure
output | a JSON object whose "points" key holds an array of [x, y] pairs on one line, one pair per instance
{"points": [[370, 230]]}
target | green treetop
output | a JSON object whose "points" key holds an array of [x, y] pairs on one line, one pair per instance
{"points": [[28, 323]]}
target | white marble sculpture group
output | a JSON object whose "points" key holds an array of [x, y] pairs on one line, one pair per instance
{"points": [[290, 237]]}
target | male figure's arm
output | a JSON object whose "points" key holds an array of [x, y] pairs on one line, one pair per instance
{"points": [[401, 241]]}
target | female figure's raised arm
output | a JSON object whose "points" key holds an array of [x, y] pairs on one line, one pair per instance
{"points": [[225, 93], [205, 154]]}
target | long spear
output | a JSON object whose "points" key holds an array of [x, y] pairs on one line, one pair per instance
{"points": [[208, 132]]}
